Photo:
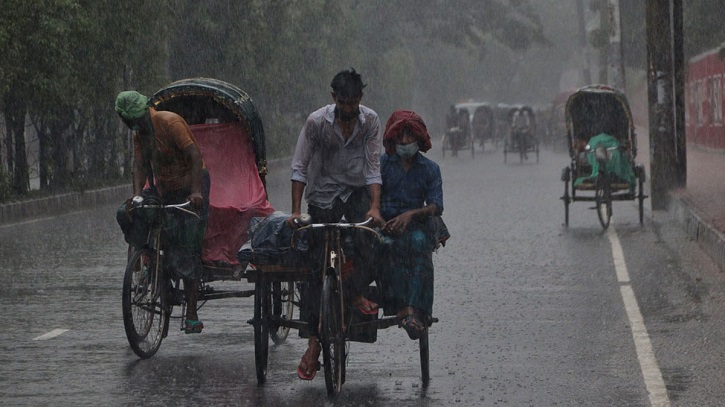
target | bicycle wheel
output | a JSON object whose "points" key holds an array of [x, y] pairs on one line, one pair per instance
{"points": [[603, 199], [424, 357], [284, 298], [262, 307], [144, 304], [332, 337]]}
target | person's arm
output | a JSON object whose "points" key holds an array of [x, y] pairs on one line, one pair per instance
{"points": [[374, 211], [300, 162], [192, 154], [400, 223], [139, 168], [298, 188]]}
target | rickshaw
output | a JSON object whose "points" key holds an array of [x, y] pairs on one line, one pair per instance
{"points": [[458, 135], [339, 322], [555, 124], [521, 138], [602, 147], [230, 136], [483, 125]]}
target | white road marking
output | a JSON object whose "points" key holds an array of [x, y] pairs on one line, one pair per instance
{"points": [[651, 373], [51, 334]]}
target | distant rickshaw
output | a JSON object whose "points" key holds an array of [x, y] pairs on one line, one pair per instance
{"points": [[458, 135], [602, 147], [522, 137], [483, 125], [555, 124]]}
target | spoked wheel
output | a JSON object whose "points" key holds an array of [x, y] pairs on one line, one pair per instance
{"points": [[566, 176], [603, 199], [144, 304], [332, 337], [262, 306], [284, 298], [424, 357], [640, 191]]}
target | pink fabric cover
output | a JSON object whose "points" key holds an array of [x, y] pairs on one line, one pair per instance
{"points": [[237, 193]]}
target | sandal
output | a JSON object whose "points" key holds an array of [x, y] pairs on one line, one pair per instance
{"points": [[310, 364], [410, 323], [192, 326], [366, 306]]}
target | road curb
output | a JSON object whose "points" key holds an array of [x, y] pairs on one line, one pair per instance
{"points": [[75, 201], [708, 238], [57, 204]]}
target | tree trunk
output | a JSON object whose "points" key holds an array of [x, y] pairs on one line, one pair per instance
{"points": [[15, 111]]}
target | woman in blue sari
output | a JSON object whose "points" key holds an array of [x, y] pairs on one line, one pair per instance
{"points": [[412, 193]]}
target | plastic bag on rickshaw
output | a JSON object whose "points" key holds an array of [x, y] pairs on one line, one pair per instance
{"points": [[270, 242], [617, 164]]}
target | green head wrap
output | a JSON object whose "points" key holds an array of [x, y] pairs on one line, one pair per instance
{"points": [[131, 105]]}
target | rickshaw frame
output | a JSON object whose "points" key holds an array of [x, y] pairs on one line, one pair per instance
{"points": [[591, 110], [198, 101], [339, 322]]}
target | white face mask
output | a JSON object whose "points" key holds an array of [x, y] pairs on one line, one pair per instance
{"points": [[406, 150]]}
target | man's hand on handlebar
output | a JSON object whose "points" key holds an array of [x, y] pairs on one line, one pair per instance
{"points": [[377, 217], [197, 201]]}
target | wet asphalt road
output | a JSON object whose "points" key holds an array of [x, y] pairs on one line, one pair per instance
{"points": [[531, 313]]}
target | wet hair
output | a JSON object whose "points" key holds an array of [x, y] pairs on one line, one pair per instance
{"points": [[347, 84]]}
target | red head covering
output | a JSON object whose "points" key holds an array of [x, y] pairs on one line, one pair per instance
{"points": [[398, 122]]}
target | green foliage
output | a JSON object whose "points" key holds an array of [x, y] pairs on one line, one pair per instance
{"points": [[65, 60]]}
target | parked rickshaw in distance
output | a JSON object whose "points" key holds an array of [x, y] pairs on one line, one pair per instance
{"points": [[555, 122], [458, 135], [602, 147], [503, 113], [482, 123]]}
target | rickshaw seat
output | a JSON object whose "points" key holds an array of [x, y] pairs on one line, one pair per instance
{"points": [[237, 193]]}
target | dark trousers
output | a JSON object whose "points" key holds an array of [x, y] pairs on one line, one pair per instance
{"points": [[185, 233], [364, 273]]}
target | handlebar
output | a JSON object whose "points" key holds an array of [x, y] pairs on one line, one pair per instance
{"points": [[304, 222], [137, 203]]}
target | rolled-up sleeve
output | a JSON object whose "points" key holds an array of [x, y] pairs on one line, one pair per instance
{"points": [[373, 149], [303, 152], [435, 188]]}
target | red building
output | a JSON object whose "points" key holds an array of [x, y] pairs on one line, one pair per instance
{"points": [[704, 100]]}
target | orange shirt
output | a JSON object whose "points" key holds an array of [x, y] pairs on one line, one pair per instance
{"points": [[171, 170]]}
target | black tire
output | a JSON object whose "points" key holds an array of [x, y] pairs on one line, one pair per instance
{"points": [[566, 200], [145, 303], [262, 307], [603, 199], [284, 297], [424, 358], [640, 195], [332, 337]]}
